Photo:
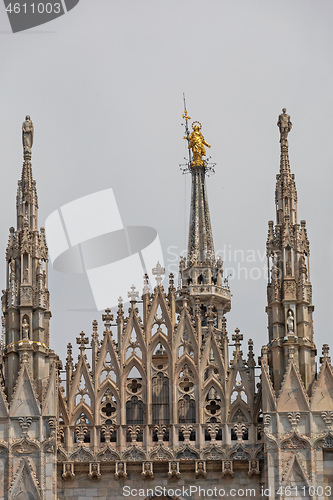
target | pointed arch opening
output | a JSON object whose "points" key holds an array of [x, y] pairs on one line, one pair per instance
{"points": [[186, 410], [160, 358], [160, 399], [134, 411]]}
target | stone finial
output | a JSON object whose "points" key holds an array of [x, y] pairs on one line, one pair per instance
{"points": [[82, 341], [69, 358], [326, 350], [237, 337], [250, 355], [107, 318], [284, 125], [145, 284], [171, 281], [158, 272], [133, 294], [95, 326]]}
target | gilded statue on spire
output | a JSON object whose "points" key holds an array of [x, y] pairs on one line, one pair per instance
{"points": [[27, 134], [284, 125], [197, 143]]}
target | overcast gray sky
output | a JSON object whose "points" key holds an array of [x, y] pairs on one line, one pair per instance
{"points": [[103, 85]]}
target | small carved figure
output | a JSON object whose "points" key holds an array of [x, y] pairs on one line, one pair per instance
{"points": [[200, 469], [227, 468], [94, 471], [253, 467], [27, 134], [284, 125], [174, 469], [197, 143], [147, 470], [25, 329], [120, 470], [290, 322], [26, 275], [12, 266], [68, 470], [219, 261]]}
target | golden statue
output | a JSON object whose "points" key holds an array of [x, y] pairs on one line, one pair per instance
{"points": [[197, 143]]}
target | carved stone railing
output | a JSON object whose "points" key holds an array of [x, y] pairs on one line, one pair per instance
{"points": [[208, 289]]}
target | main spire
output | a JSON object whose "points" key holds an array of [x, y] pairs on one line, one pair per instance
{"points": [[202, 273], [289, 291], [200, 240]]}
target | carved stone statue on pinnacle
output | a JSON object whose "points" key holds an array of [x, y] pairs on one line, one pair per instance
{"points": [[284, 125], [27, 134]]}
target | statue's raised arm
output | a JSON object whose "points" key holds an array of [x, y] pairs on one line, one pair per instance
{"points": [[27, 134]]}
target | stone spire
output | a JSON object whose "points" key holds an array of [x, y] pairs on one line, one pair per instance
{"points": [[200, 239], [26, 299], [202, 273], [289, 290]]}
